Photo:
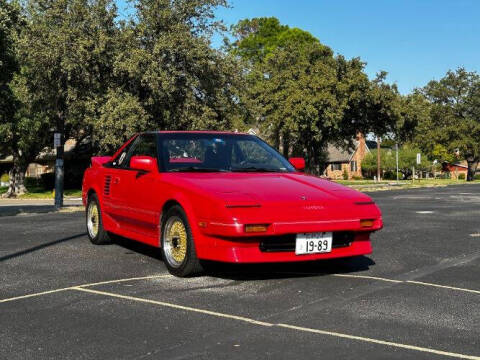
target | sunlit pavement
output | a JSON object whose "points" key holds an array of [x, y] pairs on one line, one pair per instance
{"points": [[416, 297]]}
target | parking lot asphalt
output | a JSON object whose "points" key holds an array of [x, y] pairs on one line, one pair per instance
{"points": [[417, 296]]}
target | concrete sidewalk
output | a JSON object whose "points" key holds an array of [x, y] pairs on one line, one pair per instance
{"points": [[11, 207]]}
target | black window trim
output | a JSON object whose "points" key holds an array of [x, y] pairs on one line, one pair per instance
{"points": [[132, 145]]}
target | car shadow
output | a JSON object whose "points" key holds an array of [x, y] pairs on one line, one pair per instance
{"points": [[137, 247], [245, 272]]}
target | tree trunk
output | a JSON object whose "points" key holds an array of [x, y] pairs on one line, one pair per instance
{"points": [[286, 145], [472, 168], [16, 174]]}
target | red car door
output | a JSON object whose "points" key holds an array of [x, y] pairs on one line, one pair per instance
{"points": [[140, 210], [115, 176]]}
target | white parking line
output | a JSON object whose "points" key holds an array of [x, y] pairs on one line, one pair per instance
{"points": [[381, 342], [409, 282], [34, 294], [292, 327], [82, 285], [175, 306], [368, 277], [443, 286]]}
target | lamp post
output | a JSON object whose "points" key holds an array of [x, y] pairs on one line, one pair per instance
{"points": [[378, 159], [396, 155]]}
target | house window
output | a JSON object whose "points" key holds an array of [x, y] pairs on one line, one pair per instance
{"points": [[336, 166], [353, 166]]}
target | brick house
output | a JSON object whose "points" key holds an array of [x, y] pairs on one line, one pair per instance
{"points": [[349, 160], [455, 169]]}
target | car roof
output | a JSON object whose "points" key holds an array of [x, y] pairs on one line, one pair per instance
{"points": [[195, 132]]}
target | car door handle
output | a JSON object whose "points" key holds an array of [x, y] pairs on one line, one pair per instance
{"points": [[116, 180]]}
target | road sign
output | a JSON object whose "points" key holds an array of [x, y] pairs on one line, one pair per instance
{"points": [[57, 140], [419, 159]]}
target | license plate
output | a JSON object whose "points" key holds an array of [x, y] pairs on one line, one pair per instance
{"points": [[313, 243]]}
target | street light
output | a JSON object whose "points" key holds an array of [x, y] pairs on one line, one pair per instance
{"points": [[396, 148]]}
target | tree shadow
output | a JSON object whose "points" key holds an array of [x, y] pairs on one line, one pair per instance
{"points": [[39, 247], [264, 271]]}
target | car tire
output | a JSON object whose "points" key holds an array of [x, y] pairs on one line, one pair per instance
{"points": [[96, 232], [177, 244]]}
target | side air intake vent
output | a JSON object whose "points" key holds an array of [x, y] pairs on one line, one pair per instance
{"points": [[106, 187]]}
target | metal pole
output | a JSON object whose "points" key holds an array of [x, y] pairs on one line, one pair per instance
{"points": [[59, 174], [396, 147], [378, 158]]}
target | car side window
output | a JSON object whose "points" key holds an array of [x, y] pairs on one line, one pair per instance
{"points": [[119, 161], [145, 145]]}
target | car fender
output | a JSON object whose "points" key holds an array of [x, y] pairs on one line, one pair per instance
{"points": [[187, 206]]}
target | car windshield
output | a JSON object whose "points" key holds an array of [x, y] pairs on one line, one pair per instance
{"points": [[198, 152]]}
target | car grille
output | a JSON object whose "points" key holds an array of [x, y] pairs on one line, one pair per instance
{"points": [[282, 243]]}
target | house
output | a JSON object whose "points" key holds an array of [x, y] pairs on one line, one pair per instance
{"points": [[455, 169], [77, 159], [347, 161]]}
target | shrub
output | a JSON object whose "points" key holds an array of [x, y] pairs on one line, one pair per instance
{"points": [[389, 175], [345, 174], [461, 176], [476, 177], [356, 177], [47, 181], [31, 182], [4, 178]]}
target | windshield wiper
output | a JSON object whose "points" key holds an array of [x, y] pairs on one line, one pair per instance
{"points": [[255, 169], [196, 169]]}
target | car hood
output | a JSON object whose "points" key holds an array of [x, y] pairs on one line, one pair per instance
{"points": [[280, 196]]}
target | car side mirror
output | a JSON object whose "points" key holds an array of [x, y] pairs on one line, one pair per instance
{"points": [[298, 163], [143, 163]]}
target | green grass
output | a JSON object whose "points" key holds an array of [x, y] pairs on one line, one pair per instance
{"points": [[370, 185], [36, 192]]}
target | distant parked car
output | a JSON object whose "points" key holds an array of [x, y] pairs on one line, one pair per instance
{"points": [[222, 196]]}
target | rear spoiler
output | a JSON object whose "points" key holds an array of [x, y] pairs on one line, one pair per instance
{"points": [[98, 161]]}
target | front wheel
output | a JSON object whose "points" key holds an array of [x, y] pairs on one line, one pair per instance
{"points": [[178, 248], [95, 230]]}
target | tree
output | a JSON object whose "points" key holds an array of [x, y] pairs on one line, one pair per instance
{"points": [[407, 159], [167, 65], [453, 124], [14, 126], [65, 54], [302, 97]]}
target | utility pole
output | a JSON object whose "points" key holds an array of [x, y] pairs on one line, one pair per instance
{"points": [[396, 148], [378, 158], [59, 170]]}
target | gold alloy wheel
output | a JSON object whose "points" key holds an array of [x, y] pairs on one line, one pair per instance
{"points": [[93, 219], [175, 241]]}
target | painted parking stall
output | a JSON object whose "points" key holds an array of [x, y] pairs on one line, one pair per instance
{"points": [[416, 297]]}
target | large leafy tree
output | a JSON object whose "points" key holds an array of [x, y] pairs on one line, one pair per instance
{"points": [[302, 96], [17, 128], [68, 48], [170, 70], [64, 54], [453, 125]]}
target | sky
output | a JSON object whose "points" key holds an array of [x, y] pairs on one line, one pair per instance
{"points": [[415, 41]]}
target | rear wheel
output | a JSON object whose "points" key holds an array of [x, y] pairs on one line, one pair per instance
{"points": [[178, 248], [96, 232]]}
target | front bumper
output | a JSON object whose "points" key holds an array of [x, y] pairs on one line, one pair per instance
{"points": [[249, 250]]}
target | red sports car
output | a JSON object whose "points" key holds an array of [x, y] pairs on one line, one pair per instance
{"points": [[222, 196]]}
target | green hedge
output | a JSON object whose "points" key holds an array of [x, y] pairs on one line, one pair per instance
{"points": [[4, 178]]}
